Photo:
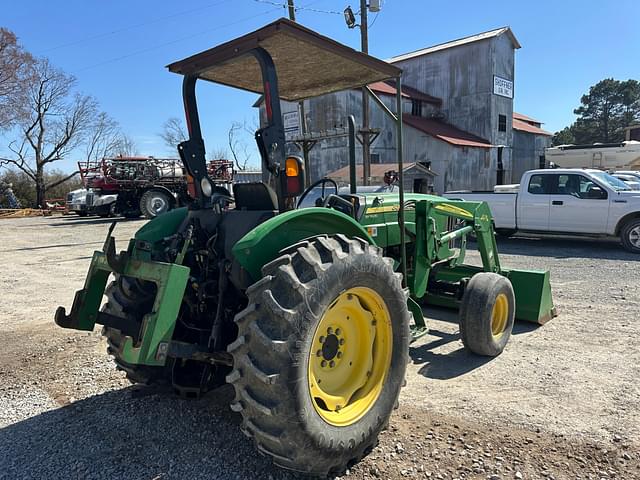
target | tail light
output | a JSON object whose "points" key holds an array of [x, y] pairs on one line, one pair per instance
{"points": [[293, 178]]}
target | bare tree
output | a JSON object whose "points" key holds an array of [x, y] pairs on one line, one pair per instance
{"points": [[173, 133], [56, 123], [126, 146], [238, 146], [14, 72], [218, 153], [103, 137]]}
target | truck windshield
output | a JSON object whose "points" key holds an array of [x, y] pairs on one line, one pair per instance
{"points": [[613, 182]]}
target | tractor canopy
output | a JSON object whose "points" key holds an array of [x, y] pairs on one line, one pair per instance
{"points": [[308, 64]]}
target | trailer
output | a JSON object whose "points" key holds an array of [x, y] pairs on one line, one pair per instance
{"points": [[605, 156]]}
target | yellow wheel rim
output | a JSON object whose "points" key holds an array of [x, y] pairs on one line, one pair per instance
{"points": [[499, 315], [350, 356]]}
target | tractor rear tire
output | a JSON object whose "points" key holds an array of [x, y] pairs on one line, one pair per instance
{"points": [[154, 203], [128, 299], [487, 314], [343, 289]]}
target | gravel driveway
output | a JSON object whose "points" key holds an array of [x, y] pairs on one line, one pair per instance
{"points": [[562, 401]]}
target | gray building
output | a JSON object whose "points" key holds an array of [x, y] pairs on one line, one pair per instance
{"points": [[457, 110], [529, 143]]}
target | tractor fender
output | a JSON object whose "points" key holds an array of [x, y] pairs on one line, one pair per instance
{"points": [[162, 226], [264, 242]]}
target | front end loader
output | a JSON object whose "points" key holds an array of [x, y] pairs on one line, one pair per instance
{"points": [[307, 312]]}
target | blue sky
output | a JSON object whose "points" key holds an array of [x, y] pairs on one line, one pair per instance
{"points": [[118, 49]]}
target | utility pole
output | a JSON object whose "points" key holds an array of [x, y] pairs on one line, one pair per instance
{"points": [[292, 10], [366, 157], [303, 121]]}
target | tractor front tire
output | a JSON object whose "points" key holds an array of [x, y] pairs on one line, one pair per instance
{"points": [[127, 298], [487, 314], [321, 354]]}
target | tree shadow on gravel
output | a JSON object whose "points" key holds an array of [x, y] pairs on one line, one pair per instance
{"points": [[75, 221], [121, 434]]}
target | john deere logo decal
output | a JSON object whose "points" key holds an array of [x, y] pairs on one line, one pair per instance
{"points": [[452, 209]]}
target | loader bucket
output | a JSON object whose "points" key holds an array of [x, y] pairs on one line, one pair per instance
{"points": [[532, 289], [533, 295]]}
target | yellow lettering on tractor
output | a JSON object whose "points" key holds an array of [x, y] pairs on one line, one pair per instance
{"points": [[388, 208], [452, 209]]}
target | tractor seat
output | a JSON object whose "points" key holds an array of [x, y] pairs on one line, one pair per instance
{"points": [[254, 196]]}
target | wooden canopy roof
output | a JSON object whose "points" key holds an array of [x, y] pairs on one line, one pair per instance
{"points": [[307, 63]]}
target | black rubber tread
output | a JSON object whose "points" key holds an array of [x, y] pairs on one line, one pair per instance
{"points": [[126, 298], [271, 353], [151, 193], [475, 313], [624, 235]]}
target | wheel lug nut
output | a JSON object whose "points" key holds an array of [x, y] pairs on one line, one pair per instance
{"points": [[338, 331], [329, 331], [339, 354], [319, 353], [332, 364], [342, 341], [321, 339], [323, 363]]}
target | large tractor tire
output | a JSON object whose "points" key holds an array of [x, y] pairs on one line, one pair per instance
{"points": [[321, 354], [154, 203], [487, 313], [129, 299], [630, 236]]}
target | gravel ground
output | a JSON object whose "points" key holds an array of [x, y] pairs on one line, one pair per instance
{"points": [[562, 401]]}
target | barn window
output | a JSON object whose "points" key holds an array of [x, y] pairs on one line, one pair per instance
{"points": [[502, 123]]}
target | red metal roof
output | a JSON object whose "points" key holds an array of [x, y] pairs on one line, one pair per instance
{"points": [[407, 92], [524, 118], [527, 127], [445, 132]]}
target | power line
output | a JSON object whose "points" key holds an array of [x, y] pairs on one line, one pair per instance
{"points": [[374, 20], [283, 5], [155, 47], [131, 27]]}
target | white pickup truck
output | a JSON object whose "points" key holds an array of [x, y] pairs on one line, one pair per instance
{"points": [[570, 201]]}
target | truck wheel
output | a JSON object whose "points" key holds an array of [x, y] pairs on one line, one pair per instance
{"points": [[128, 298], [154, 203], [630, 236], [82, 213], [487, 314], [321, 354]]}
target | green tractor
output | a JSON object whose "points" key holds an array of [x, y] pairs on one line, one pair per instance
{"points": [[307, 312]]}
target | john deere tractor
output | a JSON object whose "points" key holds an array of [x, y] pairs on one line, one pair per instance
{"points": [[307, 312]]}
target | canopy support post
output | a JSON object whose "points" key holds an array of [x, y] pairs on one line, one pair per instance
{"points": [[403, 246]]}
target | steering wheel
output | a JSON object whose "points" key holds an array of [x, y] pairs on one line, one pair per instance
{"points": [[320, 201]]}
